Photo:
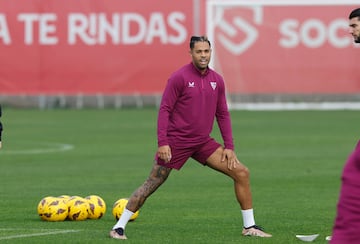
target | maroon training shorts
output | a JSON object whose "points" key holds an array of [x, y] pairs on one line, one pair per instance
{"points": [[179, 155]]}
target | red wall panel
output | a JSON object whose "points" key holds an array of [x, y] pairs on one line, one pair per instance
{"points": [[117, 46], [112, 46], [286, 49]]}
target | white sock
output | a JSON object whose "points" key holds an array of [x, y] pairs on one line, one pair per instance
{"points": [[248, 217], [124, 219]]}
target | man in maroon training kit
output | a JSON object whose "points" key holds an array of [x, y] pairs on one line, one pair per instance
{"points": [[346, 229], [347, 223], [194, 96]]}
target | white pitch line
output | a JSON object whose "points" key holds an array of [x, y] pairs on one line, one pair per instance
{"points": [[38, 234], [57, 147]]}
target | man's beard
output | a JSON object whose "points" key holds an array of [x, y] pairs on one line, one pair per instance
{"points": [[357, 39]]}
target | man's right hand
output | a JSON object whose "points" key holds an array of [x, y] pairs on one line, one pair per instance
{"points": [[164, 152]]}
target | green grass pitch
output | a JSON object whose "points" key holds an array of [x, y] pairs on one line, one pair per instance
{"points": [[295, 159]]}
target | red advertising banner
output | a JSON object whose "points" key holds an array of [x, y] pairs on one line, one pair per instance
{"points": [[85, 46], [125, 47], [285, 49]]}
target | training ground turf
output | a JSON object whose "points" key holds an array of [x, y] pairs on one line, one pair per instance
{"points": [[295, 159]]}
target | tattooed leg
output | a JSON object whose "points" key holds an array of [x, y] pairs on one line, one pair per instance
{"points": [[157, 177]]}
